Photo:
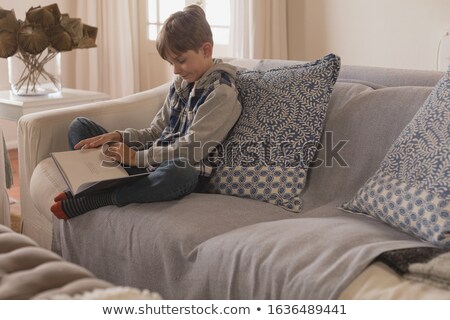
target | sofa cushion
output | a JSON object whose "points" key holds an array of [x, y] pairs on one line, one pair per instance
{"points": [[267, 154], [411, 189]]}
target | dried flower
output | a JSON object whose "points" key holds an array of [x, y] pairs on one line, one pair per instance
{"points": [[8, 44], [73, 26], [60, 39], [8, 21], [44, 17], [89, 37], [44, 27], [32, 40]]}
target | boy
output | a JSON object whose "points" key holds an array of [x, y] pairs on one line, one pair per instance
{"points": [[200, 109]]}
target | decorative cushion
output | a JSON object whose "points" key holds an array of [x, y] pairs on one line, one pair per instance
{"points": [[411, 189], [267, 153]]}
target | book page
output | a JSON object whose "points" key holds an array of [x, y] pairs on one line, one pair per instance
{"points": [[86, 166]]}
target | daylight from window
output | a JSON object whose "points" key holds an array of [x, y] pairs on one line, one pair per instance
{"points": [[217, 13]]}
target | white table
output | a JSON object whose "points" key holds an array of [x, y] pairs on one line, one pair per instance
{"points": [[12, 107]]}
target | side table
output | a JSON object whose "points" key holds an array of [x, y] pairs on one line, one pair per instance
{"points": [[12, 107]]}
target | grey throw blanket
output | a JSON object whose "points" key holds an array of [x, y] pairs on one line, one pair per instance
{"points": [[425, 264]]}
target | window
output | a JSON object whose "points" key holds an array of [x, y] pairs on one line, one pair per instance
{"points": [[217, 14]]}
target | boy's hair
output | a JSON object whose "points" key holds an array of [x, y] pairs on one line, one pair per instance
{"points": [[183, 31]]}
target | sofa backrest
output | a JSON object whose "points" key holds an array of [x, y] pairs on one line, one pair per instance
{"points": [[361, 125], [373, 76], [368, 109]]}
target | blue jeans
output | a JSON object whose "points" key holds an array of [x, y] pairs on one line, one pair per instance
{"points": [[171, 180]]}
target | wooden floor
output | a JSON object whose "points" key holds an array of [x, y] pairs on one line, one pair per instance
{"points": [[14, 191]]}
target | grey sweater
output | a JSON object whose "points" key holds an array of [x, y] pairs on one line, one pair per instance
{"points": [[194, 118]]}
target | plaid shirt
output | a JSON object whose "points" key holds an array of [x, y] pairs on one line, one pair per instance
{"points": [[184, 105]]}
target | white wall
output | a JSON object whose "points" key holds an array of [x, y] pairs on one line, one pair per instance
{"points": [[385, 33], [20, 8]]}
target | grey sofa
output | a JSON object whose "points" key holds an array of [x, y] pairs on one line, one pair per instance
{"points": [[210, 246]]}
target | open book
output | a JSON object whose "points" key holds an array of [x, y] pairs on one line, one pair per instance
{"points": [[88, 171]]}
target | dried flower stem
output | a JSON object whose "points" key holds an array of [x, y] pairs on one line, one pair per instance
{"points": [[34, 69]]}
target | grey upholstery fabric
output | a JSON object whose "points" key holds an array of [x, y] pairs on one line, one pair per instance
{"points": [[369, 122], [316, 257], [392, 77], [214, 246], [153, 245], [377, 76]]}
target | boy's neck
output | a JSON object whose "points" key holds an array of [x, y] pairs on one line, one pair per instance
{"points": [[208, 65]]}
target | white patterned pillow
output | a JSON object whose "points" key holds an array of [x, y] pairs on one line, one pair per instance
{"points": [[411, 189], [267, 153]]}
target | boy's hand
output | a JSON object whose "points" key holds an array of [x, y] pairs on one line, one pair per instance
{"points": [[122, 153], [98, 141]]}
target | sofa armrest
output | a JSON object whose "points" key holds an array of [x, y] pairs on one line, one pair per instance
{"points": [[41, 133], [4, 199]]}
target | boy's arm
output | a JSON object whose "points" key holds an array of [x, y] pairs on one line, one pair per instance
{"points": [[136, 137], [211, 124]]}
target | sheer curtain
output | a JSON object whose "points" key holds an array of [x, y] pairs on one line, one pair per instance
{"points": [[113, 67], [259, 29]]}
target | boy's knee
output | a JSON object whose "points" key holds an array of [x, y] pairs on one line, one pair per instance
{"points": [[181, 169], [82, 128], [78, 124]]}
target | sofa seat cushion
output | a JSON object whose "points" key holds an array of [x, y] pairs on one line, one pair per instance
{"points": [[153, 245], [411, 189], [314, 256]]}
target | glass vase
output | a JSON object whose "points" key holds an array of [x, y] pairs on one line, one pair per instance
{"points": [[35, 74]]}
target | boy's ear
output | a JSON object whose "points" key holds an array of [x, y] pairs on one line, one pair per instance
{"points": [[207, 49]]}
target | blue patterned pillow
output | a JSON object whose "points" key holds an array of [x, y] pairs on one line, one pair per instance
{"points": [[267, 154], [411, 189]]}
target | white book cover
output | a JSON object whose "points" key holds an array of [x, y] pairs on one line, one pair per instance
{"points": [[89, 170]]}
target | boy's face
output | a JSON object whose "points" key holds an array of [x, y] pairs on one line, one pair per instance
{"points": [[191, 65]]}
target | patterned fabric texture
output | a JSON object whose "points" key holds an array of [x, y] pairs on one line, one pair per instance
{"points": [[411, 189], [267, 153]]}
